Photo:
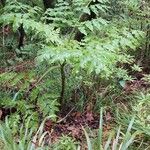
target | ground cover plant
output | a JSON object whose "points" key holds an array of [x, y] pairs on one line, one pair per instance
{"points": [[74, 74]]}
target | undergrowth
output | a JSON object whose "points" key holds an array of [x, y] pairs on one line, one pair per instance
{"points": [[80, 55]]}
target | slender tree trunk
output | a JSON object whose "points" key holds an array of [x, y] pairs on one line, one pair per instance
{"points": [[21, 36], [63, 83]]}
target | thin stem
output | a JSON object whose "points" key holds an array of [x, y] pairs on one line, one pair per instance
{"points": [[41, 78], [3, 36], [21, 36], [63, 82]]}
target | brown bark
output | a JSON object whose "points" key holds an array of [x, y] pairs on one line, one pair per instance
{"points": [[21, 36]]}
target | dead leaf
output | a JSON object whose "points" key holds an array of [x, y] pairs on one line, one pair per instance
{"points": [[75, 131], [89, 116], [48, 125]]}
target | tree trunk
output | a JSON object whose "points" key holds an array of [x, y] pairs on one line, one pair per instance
{"points": [[63, 83], [21, 36]]}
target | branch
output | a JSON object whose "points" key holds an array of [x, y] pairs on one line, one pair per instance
{"points": [[41, 78]]}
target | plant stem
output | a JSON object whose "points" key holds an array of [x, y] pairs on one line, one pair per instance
{"points": [[63, 83], [41, 78], [21, 36]]}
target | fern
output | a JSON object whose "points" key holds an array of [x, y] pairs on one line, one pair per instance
{"points": [[98, 53], [69, 15], [95, 54], [105, 44], [16, 13], [25, 100]]}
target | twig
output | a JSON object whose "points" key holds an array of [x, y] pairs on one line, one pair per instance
{"points": [[40, 79], [59, 121]]}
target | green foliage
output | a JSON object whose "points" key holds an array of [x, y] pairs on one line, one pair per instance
{"points": [[97, 52], [97, 55], [11, 142], [65, 143], [69, 14], [113, 42], [139, 107], [113, 142], [104, 46], [24, 101], [25, 139], [16, 13]]}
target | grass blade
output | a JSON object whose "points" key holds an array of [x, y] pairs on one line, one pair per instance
{"points": [[87, 139]]}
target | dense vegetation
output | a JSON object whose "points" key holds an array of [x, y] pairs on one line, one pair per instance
{"points": [[75, 74]]}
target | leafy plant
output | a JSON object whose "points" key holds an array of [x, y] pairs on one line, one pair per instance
{"points": [[25, 138], [61, 53], [140, 108], [113, 142], [24, 97], [93, 42], [65, 143]]}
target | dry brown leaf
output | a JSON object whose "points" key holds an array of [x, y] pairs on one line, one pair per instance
{"points": [[89, 116]]}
